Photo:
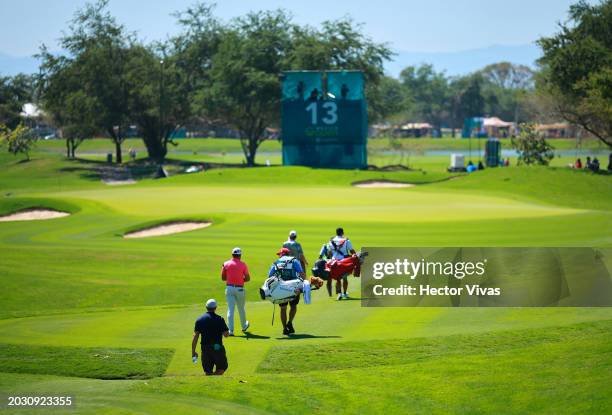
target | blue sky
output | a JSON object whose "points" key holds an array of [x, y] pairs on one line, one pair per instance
{"points": [[424, 28], [417, 26]]}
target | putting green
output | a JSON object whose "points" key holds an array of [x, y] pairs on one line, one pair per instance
{"points": [[312, 203]]}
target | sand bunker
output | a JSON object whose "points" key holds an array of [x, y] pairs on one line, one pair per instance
{"points": [[33, 214], [167, 229], [382, 184], [119, 182]]}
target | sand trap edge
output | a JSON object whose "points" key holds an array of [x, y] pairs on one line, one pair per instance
{"points": [[382, 184], [167, 228], [30, 214]]}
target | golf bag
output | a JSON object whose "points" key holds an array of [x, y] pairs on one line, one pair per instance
{"points": [[335, 269], [278, 291], [320, 270]]}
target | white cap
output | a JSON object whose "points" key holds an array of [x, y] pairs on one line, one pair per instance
{"points": [[236, 251], [211, 304], [292, 234]]}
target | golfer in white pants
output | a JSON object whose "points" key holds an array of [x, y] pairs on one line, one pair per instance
{"points": [[235, 273]]}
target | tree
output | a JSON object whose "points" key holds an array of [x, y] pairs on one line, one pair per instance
{"points": [[342, 45], [389, 99], [577, 68], [506, 89], [244, 89], [19, 140], [466, 99], [69, 106], [430, 91], [507, 75], [14, 92], [165, 78], [158, 101], [91, 73], [532, 147]]}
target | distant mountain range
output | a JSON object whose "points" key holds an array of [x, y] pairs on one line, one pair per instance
{"points": [[454, 63], [464, 62]]}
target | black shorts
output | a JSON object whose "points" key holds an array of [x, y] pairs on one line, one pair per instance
{"points": [[293, 302], [213, 359]]}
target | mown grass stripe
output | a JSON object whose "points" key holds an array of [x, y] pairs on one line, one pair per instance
{"points": [[347, 355], [86, 362]]}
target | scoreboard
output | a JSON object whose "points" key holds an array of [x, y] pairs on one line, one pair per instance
{"points": [[324, 119]]}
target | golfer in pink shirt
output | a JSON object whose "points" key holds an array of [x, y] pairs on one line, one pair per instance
{"points": [[235, 273]]}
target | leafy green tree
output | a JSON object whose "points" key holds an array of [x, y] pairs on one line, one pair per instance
{"points": [[14, 92], [466, 99], [532, 146], [506, 87], [342, 44], [195, 45], [430, 92], [158, 101], [244, 89], [68, 105], [577, 68], [92, 73], [19, 140], [166, 79], [390, 99], [507, 75]]}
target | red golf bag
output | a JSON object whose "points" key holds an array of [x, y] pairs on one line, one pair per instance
{"points": [[335, 269]]}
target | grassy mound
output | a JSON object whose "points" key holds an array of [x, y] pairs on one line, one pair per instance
{"points": [[86, 362], [554, 186]]}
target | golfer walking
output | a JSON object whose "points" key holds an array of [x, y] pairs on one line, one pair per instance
{"points": [[296, 249], [212, 328], [235, 273]]}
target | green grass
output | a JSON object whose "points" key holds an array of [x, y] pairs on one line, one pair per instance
{"points": [[73, 285], [219, 145], [92, 362], [368, 354]]}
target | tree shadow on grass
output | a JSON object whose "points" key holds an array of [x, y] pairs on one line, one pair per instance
{"points": [[306, 336], [95, 170]]}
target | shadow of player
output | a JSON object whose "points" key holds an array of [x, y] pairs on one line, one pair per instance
{"points": [[306, 336], [249, 336]]}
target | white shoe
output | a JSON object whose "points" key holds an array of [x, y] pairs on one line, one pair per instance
{"points": [[231, 333], [345, 295], [339, 296], [246, 326]]}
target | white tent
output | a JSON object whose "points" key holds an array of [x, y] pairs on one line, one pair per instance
{"points": [[496, 122], [30, 110]]}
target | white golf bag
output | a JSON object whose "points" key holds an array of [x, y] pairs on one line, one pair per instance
{"points": [[279, 291]]}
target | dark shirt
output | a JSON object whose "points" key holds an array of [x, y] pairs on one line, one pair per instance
{"points": [[211, 327]]}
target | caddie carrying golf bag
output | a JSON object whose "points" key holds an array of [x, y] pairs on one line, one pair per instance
{"points": [[285, 284]]}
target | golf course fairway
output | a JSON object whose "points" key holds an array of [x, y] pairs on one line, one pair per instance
{"points": [[87, 313]]}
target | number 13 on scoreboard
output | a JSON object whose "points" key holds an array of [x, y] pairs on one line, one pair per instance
{"points": [[330, 110]]}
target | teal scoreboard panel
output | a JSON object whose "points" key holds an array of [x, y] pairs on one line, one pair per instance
{"points": [[324, 119]]}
